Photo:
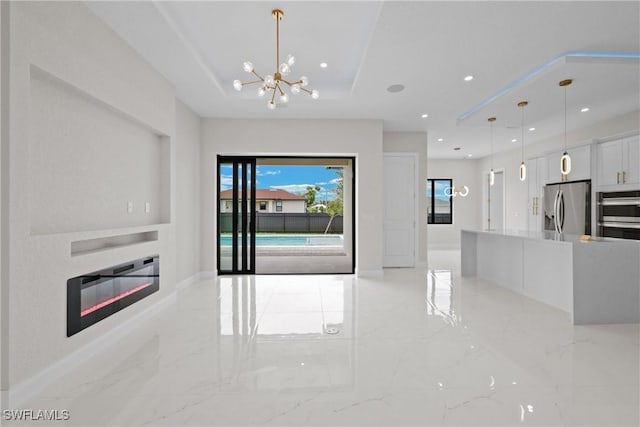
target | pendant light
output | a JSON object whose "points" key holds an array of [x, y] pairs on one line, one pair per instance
{"points": [[492, 175], [523, 167], [565, 160]]}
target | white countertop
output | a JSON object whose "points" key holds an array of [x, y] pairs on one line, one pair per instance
{"points": [[550, 236]]}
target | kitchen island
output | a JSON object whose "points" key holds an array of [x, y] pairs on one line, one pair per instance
{"points": [[596, 281]]}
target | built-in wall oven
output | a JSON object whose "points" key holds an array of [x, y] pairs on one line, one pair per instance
{"points": [[619, 214]]}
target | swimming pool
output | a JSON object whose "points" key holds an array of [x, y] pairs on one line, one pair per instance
{"points": [[292, 240]]}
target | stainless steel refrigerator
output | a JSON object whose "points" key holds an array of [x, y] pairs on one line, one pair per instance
{"points": [[567, 207]]}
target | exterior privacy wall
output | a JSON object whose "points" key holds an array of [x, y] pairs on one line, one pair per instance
{"points": [[92, 132]]}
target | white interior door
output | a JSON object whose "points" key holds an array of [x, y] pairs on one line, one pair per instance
{"points": [[399, 210]]}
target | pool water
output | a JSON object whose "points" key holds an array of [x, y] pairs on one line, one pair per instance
{"points": [[292, 240]]}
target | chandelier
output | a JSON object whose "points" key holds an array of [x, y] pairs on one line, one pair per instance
{"points": [[273, 84]]}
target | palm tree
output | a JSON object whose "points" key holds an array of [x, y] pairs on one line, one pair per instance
{"points": [[335, 207]]}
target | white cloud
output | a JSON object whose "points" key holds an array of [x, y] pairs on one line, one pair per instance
{"points": [[226, 181], [293, 188], [267, 173]]}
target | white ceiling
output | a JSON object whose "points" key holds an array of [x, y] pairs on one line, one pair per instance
{"points": [[517, 50]]}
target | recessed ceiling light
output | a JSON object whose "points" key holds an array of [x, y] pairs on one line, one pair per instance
{"points": [[468, 78], [440, 139], [532, 129], [514, 140], [323, 65], [584, 110], [469, 155], [395, 88], [424, 116]]}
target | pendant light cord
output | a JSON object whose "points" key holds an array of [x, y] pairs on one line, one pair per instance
{"points": [[491, 145], [277, 43], [565, 119], [522, 138]]}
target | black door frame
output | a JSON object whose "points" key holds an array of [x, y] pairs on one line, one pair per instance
{"points": [[246, 263], [252, 250]]}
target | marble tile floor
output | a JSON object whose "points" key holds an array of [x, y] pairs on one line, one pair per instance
{"points": [[415, 347]]}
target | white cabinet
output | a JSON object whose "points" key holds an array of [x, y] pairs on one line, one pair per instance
{"points": [[618, 163], [580, 165], [536, 179]]}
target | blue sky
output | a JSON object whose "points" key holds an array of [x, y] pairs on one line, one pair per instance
{"points": [[293, 179], [439, 190]]}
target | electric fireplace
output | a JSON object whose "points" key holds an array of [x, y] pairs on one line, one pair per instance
{"points": [[95, 296]]}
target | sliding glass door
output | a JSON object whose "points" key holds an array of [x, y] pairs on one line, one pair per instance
{"points": [[236, 215]]}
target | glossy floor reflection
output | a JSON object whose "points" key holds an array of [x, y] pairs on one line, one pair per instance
{"points": [[416, 347]]}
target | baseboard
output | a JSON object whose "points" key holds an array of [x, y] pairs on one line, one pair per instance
{"points": [[203, 275], [370, 273], [26, 389]]}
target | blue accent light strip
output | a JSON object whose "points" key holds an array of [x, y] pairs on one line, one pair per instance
{"points": [[540, 69]]}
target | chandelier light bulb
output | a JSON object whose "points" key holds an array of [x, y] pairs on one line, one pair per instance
{"points": [[284, 69], [237, 85], [271, 105], [295, 89], [261, 91], [247, 66], [315, 94], [284, 98], [304, 81], [268, 79], [523, 171], [291, 60]]}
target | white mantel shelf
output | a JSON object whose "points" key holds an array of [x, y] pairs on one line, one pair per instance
{"points": [[597, 281]]}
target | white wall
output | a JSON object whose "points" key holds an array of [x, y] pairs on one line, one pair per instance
{"points": [[466, 210], [4, 198], [187, 218], [414, 142], [516, 192], [359, 138], [59, 40]]}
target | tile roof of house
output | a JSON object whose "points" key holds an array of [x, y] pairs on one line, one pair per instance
{"points": [[269, 194]]}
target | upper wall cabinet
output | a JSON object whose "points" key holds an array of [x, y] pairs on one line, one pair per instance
{"points": [[618, 164], [580, 165]]}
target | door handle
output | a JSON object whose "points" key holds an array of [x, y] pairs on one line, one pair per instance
{"points": [[624, 177], [617, 177], [561, 211], [555, 211]]}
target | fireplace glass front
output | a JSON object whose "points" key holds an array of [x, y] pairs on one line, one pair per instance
{"points": [[95, 296]]}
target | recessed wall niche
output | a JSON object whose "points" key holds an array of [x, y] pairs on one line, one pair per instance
{"points": [[92, 167]]}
